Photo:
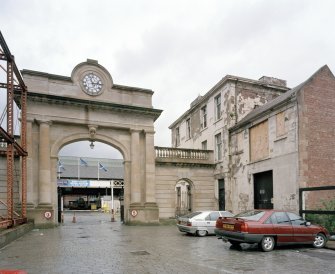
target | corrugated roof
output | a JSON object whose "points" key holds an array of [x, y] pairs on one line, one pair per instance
{"points": [[70, 167]]}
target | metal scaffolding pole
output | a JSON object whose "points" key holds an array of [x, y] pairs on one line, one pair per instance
{"points": [[13, 148]]}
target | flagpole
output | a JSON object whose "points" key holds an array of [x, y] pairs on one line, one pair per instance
{"points": [[78, 169], [98, 171]]}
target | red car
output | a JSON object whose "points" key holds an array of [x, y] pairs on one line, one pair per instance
{"points": [[268, 228]]}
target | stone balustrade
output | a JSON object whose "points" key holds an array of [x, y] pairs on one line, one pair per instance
{"points": [[184, 156]]}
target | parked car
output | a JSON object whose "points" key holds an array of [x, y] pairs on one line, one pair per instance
{"points": [[268, 228], [201, 223]]}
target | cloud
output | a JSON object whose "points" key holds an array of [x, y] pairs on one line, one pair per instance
{"points": [[179, 49]]}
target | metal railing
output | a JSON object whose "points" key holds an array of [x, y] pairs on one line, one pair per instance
{"points": [[319, 188]]}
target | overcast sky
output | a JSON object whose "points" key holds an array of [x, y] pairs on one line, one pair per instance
{"points": [[177, 48]]}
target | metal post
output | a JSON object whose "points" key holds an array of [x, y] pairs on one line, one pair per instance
{"points": [[10, 149], [121, 198], [8, 135], [59, 207], [112, 200]]}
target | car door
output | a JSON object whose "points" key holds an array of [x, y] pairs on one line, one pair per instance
{"points": [[282, 227], [211, 221], [302, 233]]}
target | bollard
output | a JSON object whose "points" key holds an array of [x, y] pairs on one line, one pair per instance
{"points": [[74, 217], [62, 218], [113, 219]]}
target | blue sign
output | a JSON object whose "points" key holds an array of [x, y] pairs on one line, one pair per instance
{"points": [[73, 183]]}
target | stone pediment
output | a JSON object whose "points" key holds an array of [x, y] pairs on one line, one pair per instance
{"points": [[89, 81]]}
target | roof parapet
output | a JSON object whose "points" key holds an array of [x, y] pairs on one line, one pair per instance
{"points": [[273, 81]]}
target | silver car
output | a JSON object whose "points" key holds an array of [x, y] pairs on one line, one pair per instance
{"points": [[200, 223]]}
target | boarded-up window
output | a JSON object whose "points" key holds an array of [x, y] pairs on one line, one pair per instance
{"points": [[280, 124], [259, 142]]}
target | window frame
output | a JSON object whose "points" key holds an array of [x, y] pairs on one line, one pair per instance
{"points": [[177, 136], [217, 104], [203, 111], [188, 128], [218, 147]]}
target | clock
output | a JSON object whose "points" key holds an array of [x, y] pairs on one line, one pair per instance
{"points": [[92, 84]]}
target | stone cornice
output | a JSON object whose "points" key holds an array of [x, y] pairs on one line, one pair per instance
{"points": [[47, 98], [68, 79]]}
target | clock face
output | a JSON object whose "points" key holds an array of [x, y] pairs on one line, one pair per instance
{"points": [[92, 84]]}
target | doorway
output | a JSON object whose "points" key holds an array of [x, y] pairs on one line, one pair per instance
{"points": [[263, 190], [222, 205]]}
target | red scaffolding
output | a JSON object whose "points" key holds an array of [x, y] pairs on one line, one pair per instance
{"points": [[14, 85]]}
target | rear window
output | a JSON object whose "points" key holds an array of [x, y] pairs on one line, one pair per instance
{"points": [[226, 214], [191, 215], [253, 215]]}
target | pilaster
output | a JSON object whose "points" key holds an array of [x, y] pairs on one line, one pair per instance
{"points": [[30, 161], [135, 195], [44, 186], [150, 189]]}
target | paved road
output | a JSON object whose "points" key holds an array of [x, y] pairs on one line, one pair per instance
{"points": [[95, 245]]}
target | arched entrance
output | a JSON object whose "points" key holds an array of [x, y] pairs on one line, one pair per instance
{"points": [[90, 177], [183, 197], [89, 106]]}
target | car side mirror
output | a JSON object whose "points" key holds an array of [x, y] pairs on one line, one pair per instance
{"points": [[307, 223]]}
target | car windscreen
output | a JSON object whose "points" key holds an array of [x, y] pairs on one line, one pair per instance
{"points": [[191, 215], [253, 215]]}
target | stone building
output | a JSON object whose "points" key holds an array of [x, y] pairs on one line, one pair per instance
{"points": [[264, 154], [244, 144], [206, 124], [285, 145], [89, 106]]}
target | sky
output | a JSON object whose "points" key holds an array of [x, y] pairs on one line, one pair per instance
{"points": [[178, 48]]}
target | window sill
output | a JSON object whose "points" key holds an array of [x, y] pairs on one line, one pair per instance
{"points": [[260, 160], [237, 152], [280, 138], [203, 129], [218, 120]]}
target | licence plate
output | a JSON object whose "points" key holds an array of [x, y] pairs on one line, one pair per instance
{"points": [[228, 226]]}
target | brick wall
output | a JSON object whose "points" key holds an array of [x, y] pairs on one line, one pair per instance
{"points": [[317, 135]]}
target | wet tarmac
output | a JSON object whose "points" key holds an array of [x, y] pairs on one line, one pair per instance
{"points": [[94, 244]]}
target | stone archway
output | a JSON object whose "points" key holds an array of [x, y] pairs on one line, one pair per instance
{"points": [[89, 106], [184, 189]]}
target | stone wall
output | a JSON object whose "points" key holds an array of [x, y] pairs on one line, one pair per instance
{"points": [[203, 187], [282, 160]]}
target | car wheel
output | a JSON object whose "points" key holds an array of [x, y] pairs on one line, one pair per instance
{"points": [[267, 243], [201, 233], [319, 241]]}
